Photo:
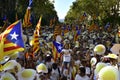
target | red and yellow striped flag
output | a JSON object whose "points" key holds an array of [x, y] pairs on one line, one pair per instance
{"points": [[26, 21], [35, 41], [57, 31], [11, 40], [1, 47]]}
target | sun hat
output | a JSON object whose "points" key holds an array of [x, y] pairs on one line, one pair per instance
{"points": [[100, 49], [41, 68], [113, 56], [108, 73], [7, 76], [27, 74], [99, 66]]}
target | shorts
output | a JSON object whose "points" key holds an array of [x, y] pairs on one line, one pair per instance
{"points": [[66, 64]]}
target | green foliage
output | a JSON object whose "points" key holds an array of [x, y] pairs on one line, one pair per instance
{"points": [[103, 10], [39, 7]]}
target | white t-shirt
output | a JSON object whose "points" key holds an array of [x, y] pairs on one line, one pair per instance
{"points": [[67, 55], [55, 74], [77, 62], [87, 70], [78, 77]]}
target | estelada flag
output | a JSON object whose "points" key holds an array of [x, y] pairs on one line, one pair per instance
{"points": [[12, 40], [27, 18], [56, 49]]}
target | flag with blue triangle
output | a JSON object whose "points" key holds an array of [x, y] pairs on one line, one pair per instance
{"points": [[12, 37], [56, 49]]}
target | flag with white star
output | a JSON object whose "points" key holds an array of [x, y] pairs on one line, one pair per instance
{"points": [[56, 49], [58, 46], [15, 35], [13, 41]]}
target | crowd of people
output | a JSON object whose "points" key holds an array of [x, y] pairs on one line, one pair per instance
{"points": [[87, 58]]}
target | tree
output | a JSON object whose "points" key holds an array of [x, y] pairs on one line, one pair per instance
{"points": [[39, 7], [101, 9]]}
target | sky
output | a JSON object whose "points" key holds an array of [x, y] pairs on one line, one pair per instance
{"points": [[62, 7]]}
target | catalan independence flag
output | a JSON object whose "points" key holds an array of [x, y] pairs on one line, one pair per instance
{"points": [[77, 33], [27, 17], [35, 41], [56, 49], [57, 31], [26, 20], [11, 39]]}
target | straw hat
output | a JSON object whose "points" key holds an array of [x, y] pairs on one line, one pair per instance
{"points": [[113, 56], [108, 73], [7, 76], [100, 49], [10, 65], [41, 68], [27, 74]]}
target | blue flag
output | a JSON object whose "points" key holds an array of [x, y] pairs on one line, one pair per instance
{"points": [[30, 3], [15, 35], [78, 32], [58, 46]]}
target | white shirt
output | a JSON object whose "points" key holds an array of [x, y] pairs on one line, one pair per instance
{"points": [[67, 55], [55, 74], [78, 77], [87, 70]]}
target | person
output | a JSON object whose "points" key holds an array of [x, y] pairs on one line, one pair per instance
{"points": [[40, 60], [82, 74], [113, 59], [55, 73], [66, 57], [30, 58], [48, 61]]}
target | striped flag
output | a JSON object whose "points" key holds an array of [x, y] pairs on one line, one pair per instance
{"points": [[1, 47], [56, 49], [27, 17], [57, 31], [12, 39], [65, 29], [91, 27], [35, 41], [78, 32]]}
